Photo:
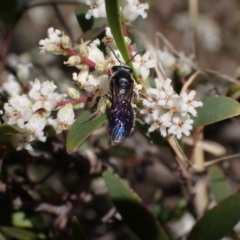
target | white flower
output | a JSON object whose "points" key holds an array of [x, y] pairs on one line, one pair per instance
{"points": [[81, 78], [11, 86], [166, 58], [43, 95], [50, 43], [97, 56], [18, 110], [65, 118], [108, 39], [142, 64], [131, 9], [114, 58], [23, 71], [166, 94], [22, 141], [188, 105], [53, 37], [181, 125], [35, 125], [98, 85], [97, 9]]}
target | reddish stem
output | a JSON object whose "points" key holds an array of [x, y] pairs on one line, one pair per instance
{"points": [[124, 29], [70, 52], [88, 62], [74, 101]]}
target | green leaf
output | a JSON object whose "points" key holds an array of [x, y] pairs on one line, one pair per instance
{"points": [[77, 230], [21, 234], [6, 132], [133, 212], [219, 221], [19, 219], [2, 237], [120, 151], [115, 24], [215, 109], [80, 131], [219, 184]]}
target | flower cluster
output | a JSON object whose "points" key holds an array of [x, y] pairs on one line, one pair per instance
{"points": [[32, 113], [96, 82], [130, 9], [168, 112]]}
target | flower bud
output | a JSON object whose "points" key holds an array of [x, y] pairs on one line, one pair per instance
{"points": [[73, 61], [83, 50], [127, 40], [65, 41], [80, 105], [73, 93], [53, 48]]}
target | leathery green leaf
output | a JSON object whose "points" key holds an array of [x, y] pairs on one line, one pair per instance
{"points": [[21, 234], [80, 130], [219, 185], [132, 210], [219, 221], [77, 230], [214, 109]]}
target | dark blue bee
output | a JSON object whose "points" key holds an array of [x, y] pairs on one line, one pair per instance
{"points": [[122, 114]]}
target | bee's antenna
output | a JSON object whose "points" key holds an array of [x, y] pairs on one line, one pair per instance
{"points": [[134, 56], [114, 54]]}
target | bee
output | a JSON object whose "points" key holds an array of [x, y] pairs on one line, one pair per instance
{"points": [[122, 115], [121, 119]]}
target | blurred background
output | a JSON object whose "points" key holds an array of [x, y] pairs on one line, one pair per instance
{"points": [[41, 191]]}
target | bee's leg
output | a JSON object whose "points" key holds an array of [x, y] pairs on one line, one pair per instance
{"points": [[133, 101], [101, 108]]}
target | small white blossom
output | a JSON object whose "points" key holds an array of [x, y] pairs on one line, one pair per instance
{"points": [[50, 43], [65, 118], [22, 141], [81, 78], [23, 72], [44, 96], [188, 105], [97, 56], [18, 110], [142, 64], [131, 9], [114, 58], [97, 9], [166, 95], [36, 125], [11, 86], [181, 125], [53, 37], [184, 64], [98, 85], [167, 59], [108, 39]]}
